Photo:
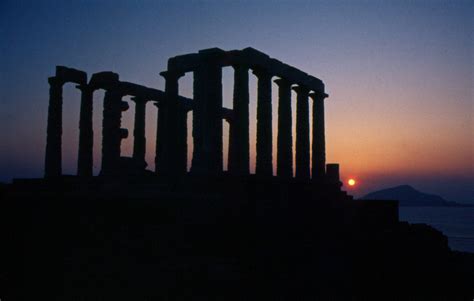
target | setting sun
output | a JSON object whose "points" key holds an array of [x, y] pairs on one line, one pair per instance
{"points": [[351, 182]]}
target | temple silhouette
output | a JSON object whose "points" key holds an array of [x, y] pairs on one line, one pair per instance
{"points": [[199, 232], [208, 112]]}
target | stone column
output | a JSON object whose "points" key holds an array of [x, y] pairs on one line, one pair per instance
{"points": [[319, 144], [112, 134], [285, 139], [232, 154], [264, 123], [160, 136], [302, 133], [171, 155], [52, 166], [239, 126], [207, 119], [86, 133], [139, 139], [182, 129]]}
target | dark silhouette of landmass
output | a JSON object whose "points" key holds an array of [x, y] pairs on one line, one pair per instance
{"points": [[217, 238], [409, 196]]}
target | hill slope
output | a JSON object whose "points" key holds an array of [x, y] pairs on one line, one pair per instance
{"points": [[409, 196]]}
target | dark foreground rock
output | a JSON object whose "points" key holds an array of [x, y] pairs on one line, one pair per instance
{"points": [[221, 240]]}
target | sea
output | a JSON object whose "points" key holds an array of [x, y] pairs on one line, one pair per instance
{"points": [[457, 223]]}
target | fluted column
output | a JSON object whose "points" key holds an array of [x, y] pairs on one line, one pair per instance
{"points": [[171, 155], [160, 137], [182, 130], [302, 133], [86, 133], [112, 133], [139, 139], [232, 160], [264, 123], [284, 140], [239, 126], [52, 166], [207, 119], [319, 144]]}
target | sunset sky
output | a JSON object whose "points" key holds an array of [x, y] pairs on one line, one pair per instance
{"points": [[399, 75]]}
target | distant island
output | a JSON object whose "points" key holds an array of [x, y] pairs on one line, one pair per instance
{"points": [[409, 196]]}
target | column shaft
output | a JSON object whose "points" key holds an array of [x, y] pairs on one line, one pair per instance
{"points": [[112, 134], [319, 144], [207, 119], [232, 155], [173, 148], [52, 166], [264, 124], [239, 126], [86, 133], [160, 137], [182, 129], [285, 139], [139, 139], [302, 134]]}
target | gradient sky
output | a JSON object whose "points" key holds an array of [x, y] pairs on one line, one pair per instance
{"points": [[399, 75]]}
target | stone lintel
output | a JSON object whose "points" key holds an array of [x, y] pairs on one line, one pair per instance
{"points": [[254, 54], [282, 82], [104, 80], [262, 72], [212, 51], [249, 57], [301, 89], [317, 95], [186, 102], [71, 75], [184, 63], [127, 88], [315, 83], [231, 58]]}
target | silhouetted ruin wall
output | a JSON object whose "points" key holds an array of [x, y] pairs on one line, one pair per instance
{"points": [[208, 113]]}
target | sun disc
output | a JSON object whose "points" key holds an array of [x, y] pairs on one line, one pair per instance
{"points": [[351, 182]]}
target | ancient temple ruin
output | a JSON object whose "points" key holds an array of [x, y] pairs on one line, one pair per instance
{"points": [[208, 113], [201, 228]]}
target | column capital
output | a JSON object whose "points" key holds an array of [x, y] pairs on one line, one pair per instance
{"points": [[54, 80], [318, 95], [300, 89], [282, 82], [139, 99], [227, 114], [124, 106], [261, 73], [240, 66], [114, 89], [172, 74], [85, 88]]}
